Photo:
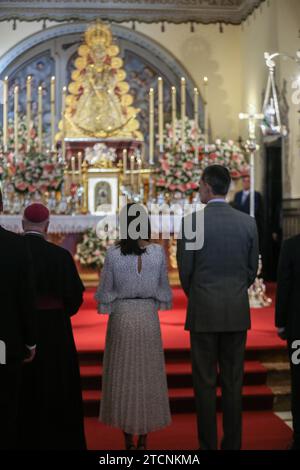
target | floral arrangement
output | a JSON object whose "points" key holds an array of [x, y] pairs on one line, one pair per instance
{"points": [[91, 251], [29, 171], [101, 155], [24, 143], [32, 171], [180, 170], [228, 154]]}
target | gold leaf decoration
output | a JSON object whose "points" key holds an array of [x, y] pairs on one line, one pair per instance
{"points": [[98, 104], [83, 50], [116, 63], [126, 100], [121, 75]]}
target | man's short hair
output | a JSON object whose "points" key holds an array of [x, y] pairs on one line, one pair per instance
{"points": [[218, 177]]}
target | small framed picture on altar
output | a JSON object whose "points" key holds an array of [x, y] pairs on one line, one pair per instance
{"points": [[103, 193]]}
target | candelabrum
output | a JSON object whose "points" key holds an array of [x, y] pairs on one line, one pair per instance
{"points": [[132, 187]]}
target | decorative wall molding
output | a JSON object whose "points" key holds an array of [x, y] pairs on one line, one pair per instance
{"points": [[149, 11]]}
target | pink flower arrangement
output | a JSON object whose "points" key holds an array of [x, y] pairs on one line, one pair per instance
{"points": [[178, 171], [34, 172]]}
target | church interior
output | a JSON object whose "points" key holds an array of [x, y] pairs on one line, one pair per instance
{"points": [[103, 102]]}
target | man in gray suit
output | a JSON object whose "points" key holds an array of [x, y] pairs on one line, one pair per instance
{"points": [[216, 279]]}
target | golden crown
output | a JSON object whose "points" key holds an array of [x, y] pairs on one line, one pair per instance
{"points": [[98, 34]]}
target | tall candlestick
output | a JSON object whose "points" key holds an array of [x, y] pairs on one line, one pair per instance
{"points": [[174, 112], [63, 110], [52, 112], [40, 117], [28, 108], [151, 126], [196, 119], [16, 119], [124, 161], [205, 85], [143, 151], [73, 168], [139, 176], [183, 106], [79, 165], [160, 114], [131, 171], [5, 114]]}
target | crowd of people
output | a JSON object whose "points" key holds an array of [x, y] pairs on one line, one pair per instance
{"points": [[40, 395]]}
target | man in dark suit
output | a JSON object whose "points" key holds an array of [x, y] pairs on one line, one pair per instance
{"points": [[51, 413], [216, 279], [242, 203], [287, 319], [17, 328]]}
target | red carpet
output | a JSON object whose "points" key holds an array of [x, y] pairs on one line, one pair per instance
{"points": [[262, 429], [89, 328]]}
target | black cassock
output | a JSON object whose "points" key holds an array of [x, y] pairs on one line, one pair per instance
{"points": [[51, 414], [17, 328]]}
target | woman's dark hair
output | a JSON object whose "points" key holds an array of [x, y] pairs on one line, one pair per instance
{"points": [[218, 177], [134, 226]]}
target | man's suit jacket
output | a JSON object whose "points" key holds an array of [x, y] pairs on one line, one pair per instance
{"points": [[17, 296], [288, 288], [245, 206], [216, 277]]}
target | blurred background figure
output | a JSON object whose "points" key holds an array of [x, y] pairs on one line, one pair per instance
{"points": [[242, 203]]}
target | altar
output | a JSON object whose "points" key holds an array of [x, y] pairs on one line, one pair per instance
{"points": [[59, 224], [68, 231], [92, 158]]}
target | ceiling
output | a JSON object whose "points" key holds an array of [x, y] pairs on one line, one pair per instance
{"points": [[149, 11]]}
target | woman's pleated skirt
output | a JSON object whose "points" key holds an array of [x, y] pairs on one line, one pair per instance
{"points": [[134, 384]]}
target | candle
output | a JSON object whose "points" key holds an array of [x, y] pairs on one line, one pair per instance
{"points": [[151, 126], [52, 112], [205, 83], [142, 151], [124, 161], [183, 105], [63, 109], [196, 119], [131, 171], [40, 117], [139, 176], [5, 114], [16, 119], [174, 112], [160, 114], [79, 165], [73, 168], [28, 109]]}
